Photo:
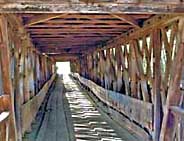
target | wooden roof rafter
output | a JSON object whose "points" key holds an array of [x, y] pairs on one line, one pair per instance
{"points": [[43, 18], [128, 19], [64, 50], [73, 36], [79, 32]]}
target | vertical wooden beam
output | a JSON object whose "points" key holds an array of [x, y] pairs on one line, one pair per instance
{"points": [[37, 74], [41, 69], [107, 70], [90, 65], [18, 87], [26, 77], [21, 57], [181, 119], [119, 59], [113, 69], [157, 82], [126, 70], [86, 68], [133, 68], [95, 66], [119, 56], [6, 77], [31, 72], [174, 93], [101, 65]]}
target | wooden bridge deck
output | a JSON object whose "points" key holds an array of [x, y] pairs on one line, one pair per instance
{"points": [[72, 115]]}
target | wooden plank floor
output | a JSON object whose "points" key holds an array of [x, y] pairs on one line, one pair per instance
{"points": [[73, 116], [51, 123]]}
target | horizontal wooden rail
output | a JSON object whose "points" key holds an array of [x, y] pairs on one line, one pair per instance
{"points": [[177, 110], [30, 109]]}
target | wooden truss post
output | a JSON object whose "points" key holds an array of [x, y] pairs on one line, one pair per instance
{"points": [[108, 70], [6, 77], [156, 83], [133, 68], [19, 94], [95, 66], [26, 77], [119, 59]]}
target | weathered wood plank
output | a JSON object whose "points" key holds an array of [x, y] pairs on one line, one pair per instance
{"points": [[6, 77], [60, 7], [43, 18], [30, 108], [133, 72], [157, 84]]}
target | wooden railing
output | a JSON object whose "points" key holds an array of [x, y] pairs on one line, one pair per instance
{"points": [[30, 108], [4, 118], [138, 111], [177, 113]]}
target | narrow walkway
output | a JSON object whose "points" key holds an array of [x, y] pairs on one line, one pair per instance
{"points": [[51, 123], [74, 116]]}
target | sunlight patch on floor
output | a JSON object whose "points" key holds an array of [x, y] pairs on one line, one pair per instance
{"points": [[87, 120]]}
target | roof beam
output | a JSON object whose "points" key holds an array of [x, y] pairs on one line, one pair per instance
{"points": [[141, 7], [58, 47], [73, 30], [82, 25], [70, 38], [65, 45], [65, 58], [127, 19], [43, 18], [76, 32], [73, 45], [73, 36], [73, 33], [65, 50], [90, 21], [63, 54]]}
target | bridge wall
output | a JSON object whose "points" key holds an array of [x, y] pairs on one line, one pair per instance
{"points": [[25, 77], [144, 64]]}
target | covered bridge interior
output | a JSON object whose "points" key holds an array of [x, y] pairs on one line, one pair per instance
{"points": [[129, 54]]}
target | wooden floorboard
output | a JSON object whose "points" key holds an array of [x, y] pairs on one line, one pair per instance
{"points": [[54, 125]]}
